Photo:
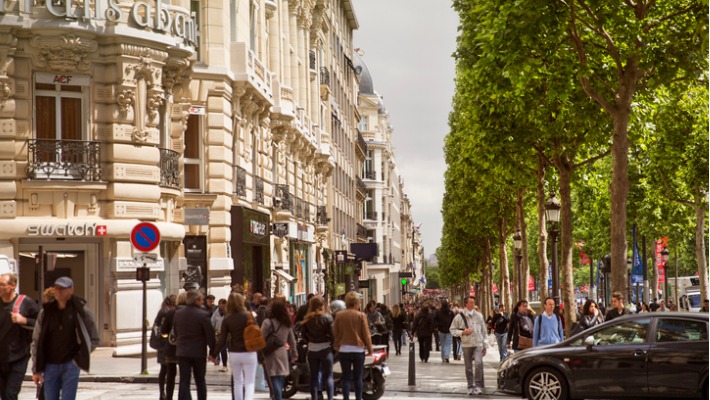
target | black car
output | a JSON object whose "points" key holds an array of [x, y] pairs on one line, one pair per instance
{"points": [[649, 355]]}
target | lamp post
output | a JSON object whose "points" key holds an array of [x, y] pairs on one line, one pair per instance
{"points": [[552, 214], [629, 267], [518, 243], [665, 256]]}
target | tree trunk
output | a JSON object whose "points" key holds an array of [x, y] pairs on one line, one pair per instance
{"points": [[515, 286], [541, 227], [525, 263], [619, 192], [700, 209], [504, 290], [566, 266], [653, 268]]}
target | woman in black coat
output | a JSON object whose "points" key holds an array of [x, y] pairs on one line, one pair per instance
{"points": [[168, 366], [521, 324], [591, 315], [423, 328], [399, 324]]}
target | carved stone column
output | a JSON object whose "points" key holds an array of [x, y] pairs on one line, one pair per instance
{"points": [[8, 133]]}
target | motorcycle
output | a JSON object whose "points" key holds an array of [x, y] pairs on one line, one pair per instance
{"points": [[373, 375]]}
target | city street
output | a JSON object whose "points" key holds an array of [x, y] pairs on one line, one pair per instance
{"points": [[114, 378]]}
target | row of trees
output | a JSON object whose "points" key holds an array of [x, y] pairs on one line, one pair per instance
{"points": [[604, 103]]}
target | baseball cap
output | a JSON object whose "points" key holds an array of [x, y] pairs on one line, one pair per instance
{"points": [[64, 282]]}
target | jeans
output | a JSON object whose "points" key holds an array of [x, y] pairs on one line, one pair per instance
{"points": [[321, 362], [352, 365], [62, 378], [166, 380], [244, 374], [457, 347], [11, 376], [424, 347], [473, 361], [397, 338], [277, 385], [445, 340], [502, 350], [198, 367], [222, 355]]}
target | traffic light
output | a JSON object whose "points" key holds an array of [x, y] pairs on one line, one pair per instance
{"points": [[404, 282], [143, 274]]}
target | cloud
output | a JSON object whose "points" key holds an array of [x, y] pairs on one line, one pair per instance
{"points": [[408, 46]]}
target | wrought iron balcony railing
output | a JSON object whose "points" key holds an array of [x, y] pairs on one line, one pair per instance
{"points": [[240, 182], [283, 199], [372, 215], [64, 159], [259, 190], [361, 185], [322, 215], [361, 143], [361, 231], [371, 175], [324, 76], [169, 168], [298, 207]]}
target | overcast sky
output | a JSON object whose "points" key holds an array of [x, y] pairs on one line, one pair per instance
{"points": [[408, 46]]}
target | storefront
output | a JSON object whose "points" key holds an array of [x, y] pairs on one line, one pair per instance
{"points": [[300, 254], [250, 246]]}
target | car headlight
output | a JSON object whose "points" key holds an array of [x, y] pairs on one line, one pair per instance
{"points": [[508, 362]]}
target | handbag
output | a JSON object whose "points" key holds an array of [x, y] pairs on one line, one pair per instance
{"points": [[273, 341], [157, 341], [524, 342], [172, 337], [253, 338]]}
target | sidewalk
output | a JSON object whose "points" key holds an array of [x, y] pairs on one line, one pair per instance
{"points": [[431, 377]]}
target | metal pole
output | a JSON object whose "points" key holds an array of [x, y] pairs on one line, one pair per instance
{"points": [[591, 277], [646, 287], [411, 376], [555, 273], [144, 330], [675, 258]]}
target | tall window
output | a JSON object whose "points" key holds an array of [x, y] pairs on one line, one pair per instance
{"points": [[252, 26], [193, 153], [59, 111], [362, 126]]}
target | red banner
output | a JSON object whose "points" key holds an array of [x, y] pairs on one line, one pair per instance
{"points": [[495, 288], [660, 245], [531, 283], [585, 260]]}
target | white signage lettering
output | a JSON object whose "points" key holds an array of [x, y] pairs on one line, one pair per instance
{"points": [[85, 229]]}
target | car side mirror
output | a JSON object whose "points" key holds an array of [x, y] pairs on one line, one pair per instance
{"points": [[589, 342]]}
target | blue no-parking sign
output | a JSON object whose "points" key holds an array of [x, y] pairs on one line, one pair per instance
{"points": [[145, 236]]}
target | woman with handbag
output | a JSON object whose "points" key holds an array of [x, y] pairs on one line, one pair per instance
{"points": [[242, 361], [520, 332], [168, 368], [277, 334], [317, 330]]}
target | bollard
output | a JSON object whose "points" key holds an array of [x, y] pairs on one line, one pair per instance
{"points": [[412, 366]]}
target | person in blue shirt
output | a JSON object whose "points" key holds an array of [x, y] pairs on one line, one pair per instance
{"points": [[548, 326]]}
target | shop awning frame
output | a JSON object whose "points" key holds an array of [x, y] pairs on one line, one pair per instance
{"points": [[284, 275]]}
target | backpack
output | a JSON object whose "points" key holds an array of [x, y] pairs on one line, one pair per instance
{"points": [[273, 341], [253, 338], [539, 325]]}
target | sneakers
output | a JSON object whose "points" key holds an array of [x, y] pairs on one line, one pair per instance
{"points": [[476, 391], [470, 392], [223, 369]]}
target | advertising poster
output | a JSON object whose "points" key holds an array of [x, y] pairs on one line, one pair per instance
{"points": [[195, 276]]}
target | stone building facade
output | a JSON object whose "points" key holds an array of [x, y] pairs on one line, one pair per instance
{"points": [[229, 124]]}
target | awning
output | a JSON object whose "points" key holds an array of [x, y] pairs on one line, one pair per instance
{"points": [[284, 275]]}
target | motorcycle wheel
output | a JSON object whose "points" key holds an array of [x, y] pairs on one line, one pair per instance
{"points": [[289, 388], [378, 387]]}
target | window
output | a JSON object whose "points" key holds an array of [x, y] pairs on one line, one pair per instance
{"points": [[59, 111], [362, 126], [252, 26], [628, 332], [195, 10], [193, 153], [681, 330]]}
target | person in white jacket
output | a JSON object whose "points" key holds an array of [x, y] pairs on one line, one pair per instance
{"points": [[471, 328]]}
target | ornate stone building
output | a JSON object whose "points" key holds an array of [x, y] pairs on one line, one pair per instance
{"points": [[93, 104]]}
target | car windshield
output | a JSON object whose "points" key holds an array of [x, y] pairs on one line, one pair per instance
{"points": [[623, 332], [694, 299]]}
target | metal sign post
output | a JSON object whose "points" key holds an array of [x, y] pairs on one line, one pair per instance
{"points": [[145, 237]]}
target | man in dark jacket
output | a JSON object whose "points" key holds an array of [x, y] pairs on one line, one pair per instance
{"points": [[17, 320], [618, 309], [195, 334], [500, 329], [64, 336], [443, 319]]}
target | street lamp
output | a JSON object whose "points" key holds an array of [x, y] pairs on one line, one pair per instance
{"points": [[552, 214], [629, 268], [665, 256], [518, 243]]}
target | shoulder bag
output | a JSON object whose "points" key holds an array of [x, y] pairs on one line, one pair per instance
{"points": [[253, 338], [524, 342]]}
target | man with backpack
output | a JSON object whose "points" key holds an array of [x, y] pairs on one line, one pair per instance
{"points": [[548, 326], [471, 328], [17, 321]]}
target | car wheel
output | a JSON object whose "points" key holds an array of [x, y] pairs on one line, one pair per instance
{"points": [[546, 384]]}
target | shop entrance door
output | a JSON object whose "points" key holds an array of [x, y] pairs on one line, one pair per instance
{"points": [[79, 261]]}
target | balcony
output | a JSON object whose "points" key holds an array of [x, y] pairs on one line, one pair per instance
{"points": [[371, 215], [74, 160], [371, 175], [361, 232], [322, 215], [169, 168], [298, 207], [259, 190], [248, 68], [361, 145], [361, 186], [324, 76], [282, 199], [240, 182]]}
